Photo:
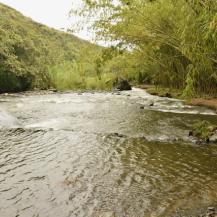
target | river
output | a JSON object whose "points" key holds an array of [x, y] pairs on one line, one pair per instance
{"points": [[103, 155]]}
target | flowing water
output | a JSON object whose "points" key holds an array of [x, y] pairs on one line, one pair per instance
{"points": [[101, 155]]}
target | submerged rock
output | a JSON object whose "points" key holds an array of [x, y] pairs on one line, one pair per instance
{"points": [[211, 212], [118, 135], [54, 90]]}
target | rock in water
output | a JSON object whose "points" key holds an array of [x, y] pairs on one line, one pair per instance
{"points": [[191, 133], [211, 212], [168, 95], [213, 138], [123, 84]]}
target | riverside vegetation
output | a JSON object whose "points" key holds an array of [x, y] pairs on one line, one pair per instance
{"points": [[172, 43], [168, 43], [35, 56]]}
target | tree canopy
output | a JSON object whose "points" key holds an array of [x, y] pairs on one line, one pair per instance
{"points": [[28, 50], [173, 42]]}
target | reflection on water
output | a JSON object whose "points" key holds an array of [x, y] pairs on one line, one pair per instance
{"points": [[99, 154]]}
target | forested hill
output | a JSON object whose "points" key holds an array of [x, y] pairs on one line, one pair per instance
{"points": [[28, 49]]}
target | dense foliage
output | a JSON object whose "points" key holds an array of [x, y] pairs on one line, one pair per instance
{"points": [[84, 73], [170, 43], [29, 51]]}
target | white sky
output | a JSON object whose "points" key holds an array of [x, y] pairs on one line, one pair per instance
{"points": [[53, 13]]}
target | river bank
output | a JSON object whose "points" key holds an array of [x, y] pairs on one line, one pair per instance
{"points": [[205, 101]]}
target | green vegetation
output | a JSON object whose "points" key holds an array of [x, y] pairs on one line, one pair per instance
{"points": [[72, 76], [169, 43], [95, 69], [29, 52], [85, 73], [203, 130]]}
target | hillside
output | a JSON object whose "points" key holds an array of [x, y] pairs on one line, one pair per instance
{"points": [[29, 49]]}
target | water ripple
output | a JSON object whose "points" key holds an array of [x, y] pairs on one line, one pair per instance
{"points": [[104, 157]]}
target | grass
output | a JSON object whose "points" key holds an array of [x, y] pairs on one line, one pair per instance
{"points": [[164, 92]]}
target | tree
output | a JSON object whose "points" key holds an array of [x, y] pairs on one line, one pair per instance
{"points": [[177, 39]]}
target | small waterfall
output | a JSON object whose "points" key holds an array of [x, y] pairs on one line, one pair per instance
{"points": [[7, 120]]}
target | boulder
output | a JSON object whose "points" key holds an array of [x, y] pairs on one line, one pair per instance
{"points": [[191, 133], [168, 95], [123, 84], [213, 138], [53, 90]]}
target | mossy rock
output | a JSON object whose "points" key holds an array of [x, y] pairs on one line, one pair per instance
{"points": [[204, 132], [122, 85]]}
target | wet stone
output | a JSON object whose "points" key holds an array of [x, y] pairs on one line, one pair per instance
{"points": [[123, 84], [168, 95], [211, 212], [213, 139]]}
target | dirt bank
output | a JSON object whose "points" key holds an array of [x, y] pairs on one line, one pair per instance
{"points": [[210, 103], [171, 93]]}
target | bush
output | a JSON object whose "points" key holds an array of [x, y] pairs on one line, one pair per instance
{"points": [[203, 130]]}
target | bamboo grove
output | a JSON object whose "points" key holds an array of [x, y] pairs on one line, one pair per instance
{"points": [[170, 43]]}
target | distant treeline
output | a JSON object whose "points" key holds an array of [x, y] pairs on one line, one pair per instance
{"points": [[28, 51]]}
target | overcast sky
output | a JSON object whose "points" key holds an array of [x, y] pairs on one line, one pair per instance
{"points": [[53, 13]]}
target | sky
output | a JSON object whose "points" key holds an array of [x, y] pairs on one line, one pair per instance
{"points": [[53, 13]]}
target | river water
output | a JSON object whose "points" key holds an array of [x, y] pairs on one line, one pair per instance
{"points": [[101, 155]]}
